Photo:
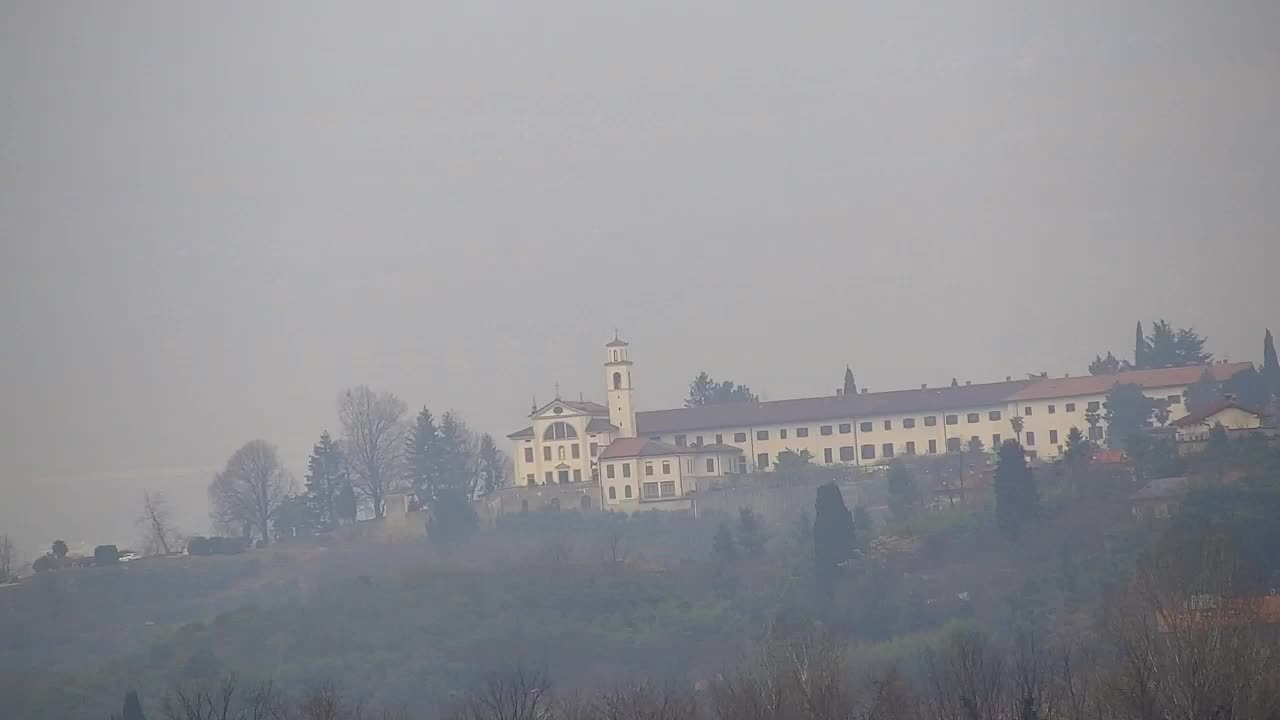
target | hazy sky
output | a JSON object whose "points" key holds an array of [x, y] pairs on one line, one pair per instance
{"points": [[214, 216]]}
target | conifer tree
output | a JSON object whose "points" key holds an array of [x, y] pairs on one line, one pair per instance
{"points": [[751, 532], [833, 535], [422, 455], [850, 387], [904, 495], [326, 472], [345, 505], [723, 548], [132, 707], [1017, 499], [1270, 365], [1141, 349], [492, 464]]}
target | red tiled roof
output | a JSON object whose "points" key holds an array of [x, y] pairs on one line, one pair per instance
{"points": [[1198, 417], [637, 447], [1100, 384]]}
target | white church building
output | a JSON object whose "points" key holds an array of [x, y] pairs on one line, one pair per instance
{"points": [[661, 456]]}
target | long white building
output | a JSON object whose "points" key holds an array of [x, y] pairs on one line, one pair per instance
{"points": [[661, 455]]}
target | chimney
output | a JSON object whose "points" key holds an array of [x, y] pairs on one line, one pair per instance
{"points": [[1008, 378], [924, 386], [968, 382], [839, 392], [864, 390]]}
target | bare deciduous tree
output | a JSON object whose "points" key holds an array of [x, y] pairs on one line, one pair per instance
{"points": [[247, 494], [226, 702], [373, 441], [514, 695], [156, 522]]}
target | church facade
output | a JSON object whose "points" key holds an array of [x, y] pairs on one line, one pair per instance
{"points": [[636, 458]]}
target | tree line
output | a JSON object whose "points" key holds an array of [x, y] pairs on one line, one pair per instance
{"points": [[379, 452]]}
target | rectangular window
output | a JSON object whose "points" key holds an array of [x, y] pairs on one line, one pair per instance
{"points": [[1031, 438], [528, 479], [648, 468], [549, 477], [546, 452], [782, 434], [1053, 437], [698, 441], [911, 447], [868, 452], [802, 432], [824, 430], [741, 462], [682, 441], [1174, 399], [762, 434], [994, 415], [739, 437], [933, 447], [626, 470], [930, 420], [953, 419], [888, 424], [826, 455], [847, 453], [595, 449], [666, 468], [690, 465], [711, 465], [886, 450], [845, 428], [908, 423], [719, 439], [576, 451], [650, 490], [669, 488], [1026, 410], [608, 471], [865, 426], [626, 491], [1094, 406], [1053, 409], [762, 460], [1071, 407], [1095, 433], [971, 418], [528, 455], [954, 445], [577, 476], [995, 441]]}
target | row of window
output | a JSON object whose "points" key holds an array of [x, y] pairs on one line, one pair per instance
{"points": [[648, 491], [563, 477], [575, 452]]}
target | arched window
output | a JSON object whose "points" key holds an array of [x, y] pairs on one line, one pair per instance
{"points": [[613, 493], [617, 381], [559, 431], [554, 504], [626, 491]]}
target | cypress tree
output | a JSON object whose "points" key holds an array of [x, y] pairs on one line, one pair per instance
{"points": [[1017, 499], [1270, 365], [850, 387], [132, 707], [1140, 348], [833, 535]]}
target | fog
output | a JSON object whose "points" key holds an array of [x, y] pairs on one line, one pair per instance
{"points": [[213, 218]]}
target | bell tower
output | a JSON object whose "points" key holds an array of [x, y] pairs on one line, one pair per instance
{"points": [[617, 372]]}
